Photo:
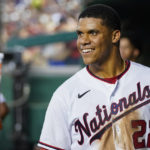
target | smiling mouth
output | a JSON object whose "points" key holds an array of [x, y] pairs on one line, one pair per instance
{"points": [[85, 51]]}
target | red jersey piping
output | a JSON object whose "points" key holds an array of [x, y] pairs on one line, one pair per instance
{"points": [[56, 148]]}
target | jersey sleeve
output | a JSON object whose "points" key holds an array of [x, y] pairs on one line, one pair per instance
{"points": [[2, 99], [55, 132]]}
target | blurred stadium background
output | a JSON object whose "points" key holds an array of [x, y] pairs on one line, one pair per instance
{"points": [[39, 42]]}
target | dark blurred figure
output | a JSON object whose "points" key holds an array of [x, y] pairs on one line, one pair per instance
{"points": [[130, 46]]}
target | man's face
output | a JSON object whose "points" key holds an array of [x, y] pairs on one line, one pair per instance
{"points": [[94, 40], [126, 49]]}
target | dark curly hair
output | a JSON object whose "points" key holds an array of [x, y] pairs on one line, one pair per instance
{"points": [[108, 15]]}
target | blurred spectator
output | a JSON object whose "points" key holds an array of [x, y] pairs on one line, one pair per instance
{"points": [[38, 17], [130, 47]]}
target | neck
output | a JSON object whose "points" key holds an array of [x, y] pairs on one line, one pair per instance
{"points": [[112, 67]]}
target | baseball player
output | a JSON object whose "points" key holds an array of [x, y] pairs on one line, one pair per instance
{"points": [[3, 108], [104, 106]]}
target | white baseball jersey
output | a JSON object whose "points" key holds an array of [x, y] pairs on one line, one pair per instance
{"points": [[90, 113]]}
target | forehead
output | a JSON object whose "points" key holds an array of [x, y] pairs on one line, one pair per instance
{"points": [[90, 23]]}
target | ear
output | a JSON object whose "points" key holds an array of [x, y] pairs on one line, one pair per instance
{"points": [[116, 36], [136, 52]]}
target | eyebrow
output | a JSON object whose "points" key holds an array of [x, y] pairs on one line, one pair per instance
{"points": [[78, 31], [91, 30]]}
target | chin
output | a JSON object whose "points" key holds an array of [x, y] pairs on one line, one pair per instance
{"points": [[87, 62]]}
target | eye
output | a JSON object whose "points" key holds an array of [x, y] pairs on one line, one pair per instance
{"points": [[79, 33], [93, 32]]}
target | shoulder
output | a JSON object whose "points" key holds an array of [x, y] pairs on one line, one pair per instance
{"points": [[71, 83], [139, 67], [65, 92], [139, 71]]}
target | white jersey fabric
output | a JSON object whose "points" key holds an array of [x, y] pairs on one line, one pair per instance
{"points": [[88, 113], [2, 99]]}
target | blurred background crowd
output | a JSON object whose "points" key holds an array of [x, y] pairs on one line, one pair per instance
{"points": [[28, 18], [38, 40]]}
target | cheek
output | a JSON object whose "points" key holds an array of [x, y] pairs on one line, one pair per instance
{"points": [[78, 44], [96, 41], [101, 43]]}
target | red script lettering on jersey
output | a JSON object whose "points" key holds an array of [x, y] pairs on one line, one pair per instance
{"points": [[93, 128]]}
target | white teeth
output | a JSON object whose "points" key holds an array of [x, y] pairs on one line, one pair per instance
{"points": [[86, 50]]}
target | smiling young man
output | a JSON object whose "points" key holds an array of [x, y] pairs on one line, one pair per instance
{"points": [[104, 106], [98, 45]]}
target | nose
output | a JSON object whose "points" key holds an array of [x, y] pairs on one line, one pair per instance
{"points": [[85, 40]]}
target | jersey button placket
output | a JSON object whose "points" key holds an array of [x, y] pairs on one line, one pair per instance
{"points": [[112, 89], [115, 126]]}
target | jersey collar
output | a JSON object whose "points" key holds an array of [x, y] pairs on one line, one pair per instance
{"points": [[113, 79]]}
